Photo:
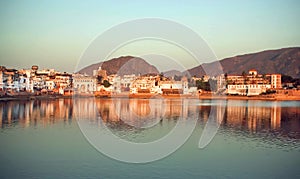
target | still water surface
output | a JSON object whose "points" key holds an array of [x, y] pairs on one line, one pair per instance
{"points": [[256, 139]]}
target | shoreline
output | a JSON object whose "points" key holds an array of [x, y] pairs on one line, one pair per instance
{"points": [[153, 96]]}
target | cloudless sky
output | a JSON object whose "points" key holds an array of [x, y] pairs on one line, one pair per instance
{"points": [[54, 34]]}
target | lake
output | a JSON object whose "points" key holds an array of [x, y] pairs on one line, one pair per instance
{"points": [[63, 138]]}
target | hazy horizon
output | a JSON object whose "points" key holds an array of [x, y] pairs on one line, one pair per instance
{"points": [[155, 62]]}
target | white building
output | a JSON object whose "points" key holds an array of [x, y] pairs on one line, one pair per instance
{"points": [[84, 84], [115, 80], [1, 81], [26, 84], [127, 80], [175, 87], [248, 89], [49, 85], [152, 84], [143, 85], [62, 80], [192, 90], [37, 82]]}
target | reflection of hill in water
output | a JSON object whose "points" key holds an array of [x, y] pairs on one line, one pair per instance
{"points": [[250, 116]]}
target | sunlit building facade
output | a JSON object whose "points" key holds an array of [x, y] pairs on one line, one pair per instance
{"points": [[84, 84], [252, 84]]}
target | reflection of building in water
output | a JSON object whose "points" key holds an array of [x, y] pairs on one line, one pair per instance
{"points": [[28, 113], [275, 116], [185, 109], [173, 108], [253, 115], [204, 112], [248, 115], [143, 111], [107, 110], [140, 108], [220, 110], [85, 109], [215, 112]]}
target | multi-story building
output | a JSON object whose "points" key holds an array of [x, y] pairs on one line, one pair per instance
{"points": [[49, 85], [9, 78], [171, 87], [248, 89], [25, 84], [144, 84], [126, 81], [153, 84], [252, 83], [63, 80], [221, 82], [115, 82], [84, 84], [276, 81], [121, 83], [25, 80], [37, 80]]}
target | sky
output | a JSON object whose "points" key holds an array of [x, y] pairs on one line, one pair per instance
{"points": [[55, 34]]}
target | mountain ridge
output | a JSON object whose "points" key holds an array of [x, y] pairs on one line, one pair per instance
{"points": [[124, 65], [283, 61]]}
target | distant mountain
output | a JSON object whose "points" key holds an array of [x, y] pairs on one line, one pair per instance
{"points": [[124, 65], [284, 61]]}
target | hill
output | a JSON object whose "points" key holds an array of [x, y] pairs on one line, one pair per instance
{"points": [[284, 61], [124, 65]]}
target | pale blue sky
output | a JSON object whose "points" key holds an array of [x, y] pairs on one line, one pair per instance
{"points": [[54, 34]]}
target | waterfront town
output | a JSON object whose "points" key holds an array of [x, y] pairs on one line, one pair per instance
{"points": [[37, 81]]}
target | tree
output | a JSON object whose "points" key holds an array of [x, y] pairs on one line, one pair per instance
{"points": [[213, 85], [177, 78], [106, 84], [203, 85], [244, 74], [99, 79], [161, 75], [297, 82], [199, 84], [287, 79]]}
